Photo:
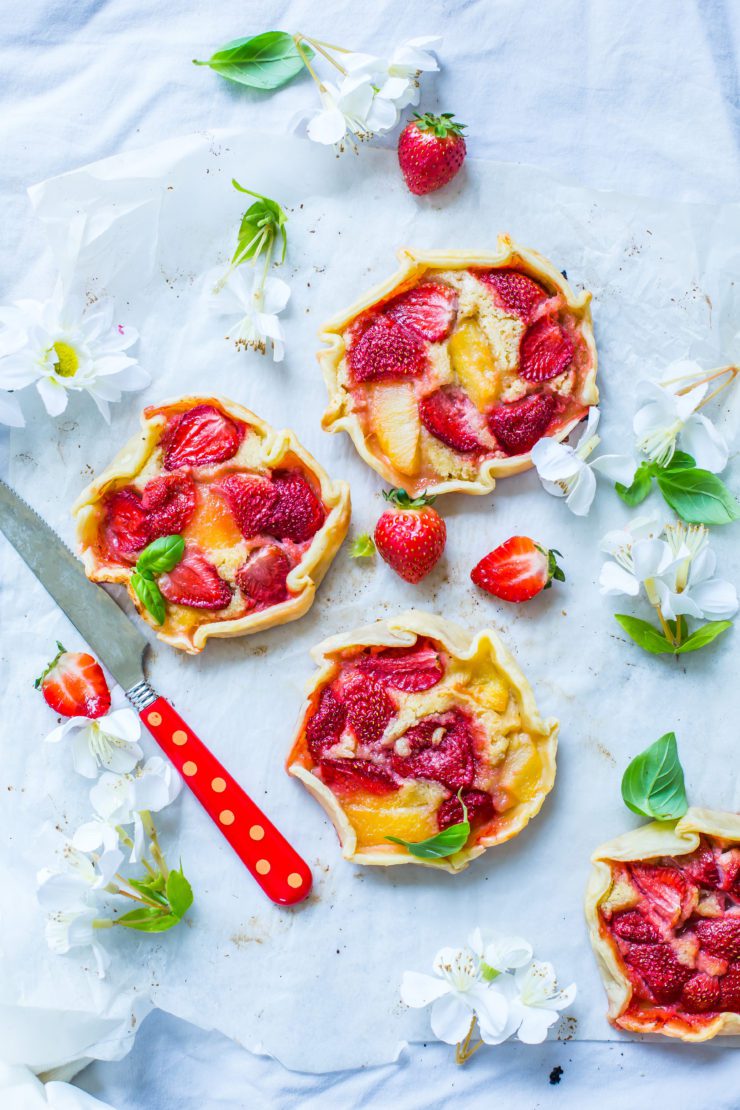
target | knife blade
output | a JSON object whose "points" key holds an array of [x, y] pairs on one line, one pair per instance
{"points": [[273, 862]]}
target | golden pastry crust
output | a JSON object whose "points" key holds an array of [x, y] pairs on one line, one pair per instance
{"points": [[649, 842], [481, 677], [269, 448], [472, 477]]}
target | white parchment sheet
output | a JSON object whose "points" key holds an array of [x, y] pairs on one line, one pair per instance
{"points": [[317, 986]]}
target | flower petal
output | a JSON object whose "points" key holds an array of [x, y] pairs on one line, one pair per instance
{"points": [[555, 462], [620, 468], [450, 1018], [419, 990], [715, 598], [614, 580], [535, 1023], [705, 443], [53, 395], [11, 413], [581, 496]]}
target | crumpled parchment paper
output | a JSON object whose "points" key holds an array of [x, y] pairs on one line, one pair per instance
{"points": [[317, 986]]}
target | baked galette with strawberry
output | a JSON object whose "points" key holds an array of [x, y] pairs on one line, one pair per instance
{"points": [[412, 722], [447, 374], [260, 520], [663, 909]]}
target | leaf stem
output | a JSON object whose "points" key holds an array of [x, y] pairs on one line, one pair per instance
{"points": [[463, 1051], [151, 831], [298, 39], [732, 371], [320, 47], [666, 627]]}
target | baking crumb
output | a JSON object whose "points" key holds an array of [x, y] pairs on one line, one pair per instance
{"points": [[556, 1075]]}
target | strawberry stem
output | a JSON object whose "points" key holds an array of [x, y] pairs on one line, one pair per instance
{"points": [[442, 126], [401, 499], [61, 650]]}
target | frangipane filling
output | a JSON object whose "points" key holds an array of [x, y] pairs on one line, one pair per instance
{"points": [[675, 923], [466, 365], [245, 525]]}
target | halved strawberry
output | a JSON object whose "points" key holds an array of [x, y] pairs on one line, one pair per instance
{"points": [[429, 310], [357, 774], [195, 582], [125, 529], [700, 994], [324, 728], [518, 426], [702, 869], [730, 989], [408, 669], [74, 685], [514, 291], [299, 512], [369, 709], [661, 976], [545, 351], [478, 804], [262, 577], [631, 925], [253, 501], [720, 936], [452, 418], [517, 570], [200, 437], [169, 501], [447, 758], [667, 890], [387, 350]]}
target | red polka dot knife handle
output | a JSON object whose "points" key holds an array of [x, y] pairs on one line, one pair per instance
{"points": [[277, 867]]}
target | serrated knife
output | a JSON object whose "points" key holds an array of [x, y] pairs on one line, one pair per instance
{"points": [[277, 867]]}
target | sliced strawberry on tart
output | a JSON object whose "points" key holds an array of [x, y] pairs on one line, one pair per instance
{"points": [[259, 519], [448, 374], [663, 908], [412, 723]]}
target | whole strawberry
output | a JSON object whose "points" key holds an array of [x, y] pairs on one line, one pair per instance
{"points": [[410, 535], [517, 570], [431, 150]]}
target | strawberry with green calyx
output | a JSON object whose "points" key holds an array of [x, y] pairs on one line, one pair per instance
{"points": [[517, 570], [431, 150], [410, 535], [74, 685]]}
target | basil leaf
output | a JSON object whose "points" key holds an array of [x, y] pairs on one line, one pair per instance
{"points": [[161, 555], [698, 496], [640, 488], [179, 893], [264, 61], [148, 920], [653, 784], [680, 461], [150, 889], [149, 594], [700, 637], [444, 843], [646, 635]]}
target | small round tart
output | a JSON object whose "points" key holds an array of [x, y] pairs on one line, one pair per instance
{"points": [[260, 518], [408, 716], [447, 374], [663, 910]]}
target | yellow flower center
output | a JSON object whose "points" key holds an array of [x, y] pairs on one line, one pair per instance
{"points": [[67, 363]]}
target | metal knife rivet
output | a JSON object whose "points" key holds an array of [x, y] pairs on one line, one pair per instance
{"points": [[257, 832], [262, 866], [178, 736], [219, 785], [155, 719], [189, 768], [226, 817], [295, 880]]}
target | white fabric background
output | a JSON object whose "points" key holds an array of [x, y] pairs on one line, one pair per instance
{"points": [[607, 93]]}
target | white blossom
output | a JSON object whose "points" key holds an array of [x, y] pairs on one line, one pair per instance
{"points": [[498, 953], [565, 472], [110, 742], [666, 419], [396, 78], [457, 994], [254, 304], [62, 346], [120, 799], [689, 587], [534, 1001]]}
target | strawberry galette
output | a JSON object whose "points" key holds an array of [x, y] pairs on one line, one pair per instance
{"points": [[446, 375], [411, 716], [260, 520], [663, 908]]}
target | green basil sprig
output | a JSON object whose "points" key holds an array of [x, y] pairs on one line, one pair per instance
{"points": [[442, 844], [653, 784], [158, 557], [168, 902], [653, 639], [696, 495], [261, 224], [265, 61]]}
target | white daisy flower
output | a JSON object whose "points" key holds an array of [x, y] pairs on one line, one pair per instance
{"points": [[63, 346]]}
